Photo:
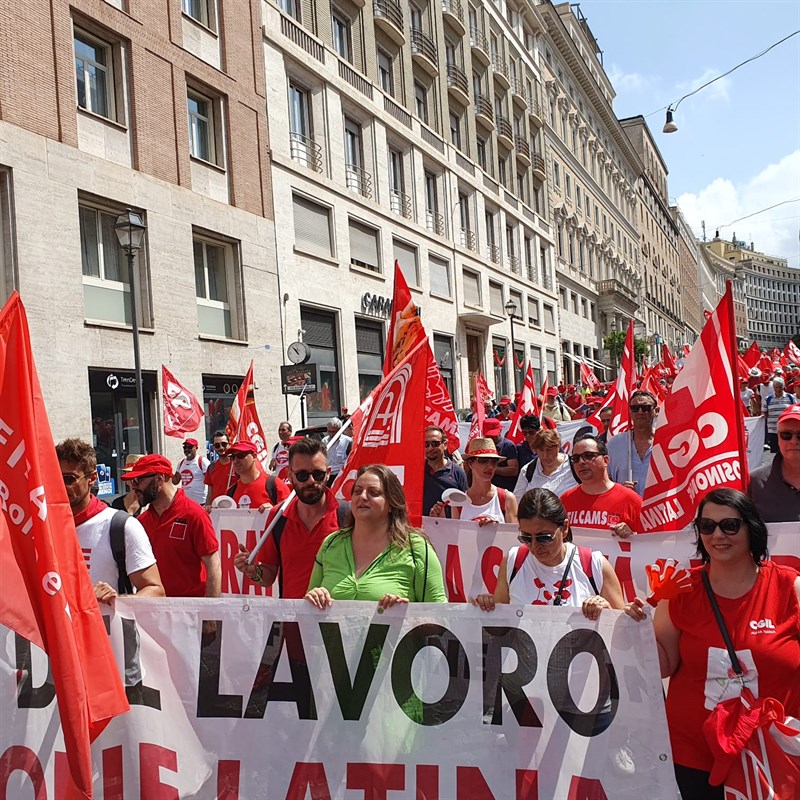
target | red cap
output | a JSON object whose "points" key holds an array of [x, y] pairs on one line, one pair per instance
{"points": [[191, 443], [552, 391], [241, 447], [793, 412], [505, 400], [492, 427], [149, 465]]}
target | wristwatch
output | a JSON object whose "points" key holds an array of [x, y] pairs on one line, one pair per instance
{"points": [[258, 574]]}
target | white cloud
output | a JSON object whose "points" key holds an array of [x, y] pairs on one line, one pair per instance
{"points": [[627, 81], [719, 90], [774, 232]]}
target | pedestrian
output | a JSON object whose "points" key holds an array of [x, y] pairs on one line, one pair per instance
{"points": [[487, 502], [191, 472], [127, 500], [528, 425], [504, 408], [338, 453], [440, 474], [554, 407], [279, 463], [508, 466], [775, 404], [629, 453], [548, 469], [253, 488], [219, 475]]}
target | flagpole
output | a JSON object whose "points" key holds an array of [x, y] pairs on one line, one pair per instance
{"points": [[739, 415]]}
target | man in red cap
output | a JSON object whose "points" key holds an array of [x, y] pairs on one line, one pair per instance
{"points": [[180, 531], [191, 472], [554, 407], [504, 408], [507, 470], [775, 487], [253, 489]]}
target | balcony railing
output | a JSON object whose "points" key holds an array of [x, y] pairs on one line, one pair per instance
{"points": [[537, 161], [493, 253], [499, 67], [477, 39], [457, 78], [504, 128], [358, 180], [422, 44], [483, 107], [522, 147], [518, 90], [400, 203], [389, 9], [468, 239], [434, 222], [305, 151], [513, 264], [453, 7]]}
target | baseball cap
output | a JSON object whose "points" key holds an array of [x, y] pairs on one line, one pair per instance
{"points": [[149, 465], [552, 391], [793, 412], [492, 427], [191, 443], [242, 447], [505, 400]]}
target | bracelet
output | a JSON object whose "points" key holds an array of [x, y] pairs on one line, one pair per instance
{"points": [[258, 575]]}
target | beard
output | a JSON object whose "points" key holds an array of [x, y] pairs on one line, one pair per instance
{"points": [[310, 495], [148, 495]]}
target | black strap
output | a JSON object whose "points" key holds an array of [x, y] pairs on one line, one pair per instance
{"points": [[562, 585], [531, 468], [116, 534], [737, 667]]}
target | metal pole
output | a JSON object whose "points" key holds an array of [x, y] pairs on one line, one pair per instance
{"points": [[513, 355], [137, 362]]}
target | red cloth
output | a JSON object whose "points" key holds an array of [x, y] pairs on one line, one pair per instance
{"points": [[255, 494], [92, 510], [299, 546], [601, 511], [764, 625], [180, 537], [217, 477]]}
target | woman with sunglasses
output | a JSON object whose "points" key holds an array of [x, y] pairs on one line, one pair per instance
{"points": [[487, 503], [760, 605], [381, 558], [548, 569]]}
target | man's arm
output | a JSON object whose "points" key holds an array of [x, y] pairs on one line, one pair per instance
{"points": [[147, 582], [176, 478], [511, 468], [213, 574]]}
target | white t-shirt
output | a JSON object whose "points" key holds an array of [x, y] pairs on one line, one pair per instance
{"points": [[94, 536], [537, 584], [558, 483], [193, 474], [280, 452], [491, 509], [747, 396]]}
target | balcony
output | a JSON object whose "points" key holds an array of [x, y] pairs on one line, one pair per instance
{"points": [[518, 93], [389, 18], [505, 133], [513, 265], [468, 239], [500, 70], [454, 14], [434, 222], [400, 203], [523, 150], [423, 51], [616, 298], [480, 46], [535, 113], [305, 151], [539, 169], [493, 253], [483, 111], [358, 180], [457, 84]]}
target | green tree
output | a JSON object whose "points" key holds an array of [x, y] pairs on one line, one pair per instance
{"points": [[614, 342]]}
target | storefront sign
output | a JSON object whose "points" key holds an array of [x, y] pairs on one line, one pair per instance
{"points": [[376, 305], [221, 384], [116, 380], [300, 378]]}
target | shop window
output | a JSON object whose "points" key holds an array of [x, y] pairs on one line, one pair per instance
{"points": [[322, 340], [369, 350]]}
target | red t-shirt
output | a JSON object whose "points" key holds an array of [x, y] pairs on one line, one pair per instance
{"points": [[601, 511], [299, 546], [217, 478], [180, 537], [255, 494], [764, 625]]}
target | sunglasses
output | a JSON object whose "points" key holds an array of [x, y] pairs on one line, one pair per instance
{"points": [[70, 480], [433, 444], [787, 435], [220, 445], [137, 481], [729, 526], [302, 475], [578, 457], [539, 538], [237, 456], [484, 460], [646, 409]]}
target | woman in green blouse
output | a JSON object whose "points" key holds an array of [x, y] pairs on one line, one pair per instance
{"points": [[381, 557]]}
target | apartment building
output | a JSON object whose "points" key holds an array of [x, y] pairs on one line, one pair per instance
{"points": [[592, 177], [717, 271], [411, 132], [689, 278], [157, 107]]}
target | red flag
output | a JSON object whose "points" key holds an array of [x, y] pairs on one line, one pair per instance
{"points": [[438, 405], [699, 436], [482, 393], [588, 378], [546, 422], [405, 326], [686, 350], [651, 383], [182, 412], [626, 383], [390, 431], [752, 355], [765, 364], [47, 596], [528, 404], [792, 352], [243, 422], [668, 362]]}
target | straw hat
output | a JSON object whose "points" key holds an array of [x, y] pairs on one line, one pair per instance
{"points": [[130, 461], [482, 447]]}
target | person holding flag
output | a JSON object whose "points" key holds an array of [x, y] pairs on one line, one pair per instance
{"points": [[440, 473], [629, 452]]}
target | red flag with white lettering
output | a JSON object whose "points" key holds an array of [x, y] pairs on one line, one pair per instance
{"points": [[588, 378], [546, 422], [652, 384], [668, 362], [439, 409], [244, 424], [405, 326], [752, 355], [390, 431], [699, 436], [482, 393], [182, 411], [792, 352], [47, 596], [626, 383], [528, 404]]}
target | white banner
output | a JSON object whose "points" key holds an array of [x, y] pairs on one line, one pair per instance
{"points": [[434, 701]]}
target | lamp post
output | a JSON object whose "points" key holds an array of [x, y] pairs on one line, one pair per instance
{"points": [[130, 230], [511, 310], [615, 342]]}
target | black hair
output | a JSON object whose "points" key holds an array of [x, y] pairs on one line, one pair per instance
{"points": [[601, 446], [749, 513], [542, 504], [530, 422], [643, 393], [307, 447]]}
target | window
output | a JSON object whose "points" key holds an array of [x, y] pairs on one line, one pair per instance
{"points": [[564, 298], [340, 28], [364, 245], [568, 185], [357, 179], [312, 227], [533, 312], [499, 362], [421, 101], [322, 341], [443, 353], [385, 76], [496, 305], [214, 286], [400, 202], [551, 367], [481, 152], [290, 7], [201, 11], [455, 130], [472, 288], [439, 276], [549, 318], [7, 248], [203, 138], [369, 351], [536, 365], [405, 255], [94, 74], [433, 219], [557, 174]]}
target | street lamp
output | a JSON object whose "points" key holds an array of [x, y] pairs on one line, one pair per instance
{"points": [[130, 230], [615, 344], [511, 310]]}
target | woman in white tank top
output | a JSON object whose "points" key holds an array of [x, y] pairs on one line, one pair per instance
{"points": [[486, 504], [547, 569]]}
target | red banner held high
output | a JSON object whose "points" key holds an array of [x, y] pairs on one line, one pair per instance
{"points": [[182, 411], [588, 378], [626, 383], [752, 356], [405, 326], [482, 393], [528, 404], [243, 422], [439, 409]]}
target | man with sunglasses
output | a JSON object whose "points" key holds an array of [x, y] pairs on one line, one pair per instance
{"points": [[219, 476], [180, 531], [191, 472], [252, 487], [775, 487], [440, 473], [297, 536], [599, 503], [629, 453]]}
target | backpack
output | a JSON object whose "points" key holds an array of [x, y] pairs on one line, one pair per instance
{"points": [[116, 534], [584, 554], [272, 490], [531, 468]]}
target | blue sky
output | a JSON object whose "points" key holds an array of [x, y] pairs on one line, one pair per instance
{"points": [[737, 149]]}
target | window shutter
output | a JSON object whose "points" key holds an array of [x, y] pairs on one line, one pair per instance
{"points": [[439, 276], [496, 299], [406, 256], [472, 288], [364, 245], [312, 228]]}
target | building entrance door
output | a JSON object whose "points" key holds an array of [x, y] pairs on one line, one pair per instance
{"points": [[474, 359]]}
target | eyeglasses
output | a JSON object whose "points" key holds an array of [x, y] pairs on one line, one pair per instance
{"points": [[237, 456], [578, 457], [484, 460], [433, 444], [787, 435], [539, 538], [302, 475], [135, 482], [220, 445], [528, 431], [729, 526], [645, 409], [70, 479]]}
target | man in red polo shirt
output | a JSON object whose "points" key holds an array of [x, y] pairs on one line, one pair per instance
{"points": [[180, 531], [309, 519], [253, 489]]}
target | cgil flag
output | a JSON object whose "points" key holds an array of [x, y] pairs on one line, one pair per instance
{"points": [[528, 404], [47, 596], [624, 387], [588, 378], [482, 394], [699, 437], [752, 356], [243, 422], [792, 352], [182, 411]]}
